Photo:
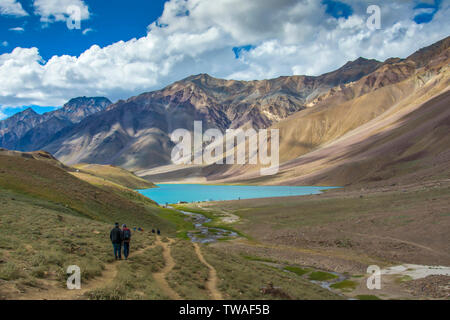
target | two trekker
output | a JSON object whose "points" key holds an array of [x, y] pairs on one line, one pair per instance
{"points": [[119, 236]]}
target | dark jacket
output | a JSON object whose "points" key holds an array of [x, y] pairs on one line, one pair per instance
{"points": [[123, 234], [116, 235]]}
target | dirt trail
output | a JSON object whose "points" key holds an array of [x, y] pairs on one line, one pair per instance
{"points": [[59, 293], [160, 277], [55, 292], [211, 284]]}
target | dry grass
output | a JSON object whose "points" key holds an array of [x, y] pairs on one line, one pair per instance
{"points": [[189, 275], [134, 279], [402, 223], [50, 219], [115, 174], [40, 180], [244, 279]]}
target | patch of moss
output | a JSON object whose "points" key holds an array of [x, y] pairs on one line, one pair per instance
{"points": [[321, 276], [259, 259], [403, 279], [346, 285], [298, 271]]}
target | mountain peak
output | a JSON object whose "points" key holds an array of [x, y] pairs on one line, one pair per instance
{"points": [[31, 130], [84, 106], [360, 62], [202, 77], [88, 101], [28, 111], [351, 71], [17, 124]]}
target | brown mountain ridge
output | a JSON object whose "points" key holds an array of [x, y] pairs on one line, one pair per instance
{"points": [[312, 113]]}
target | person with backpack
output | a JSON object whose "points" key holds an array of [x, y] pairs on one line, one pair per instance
{"points": [[126, 241], [116, 236]]}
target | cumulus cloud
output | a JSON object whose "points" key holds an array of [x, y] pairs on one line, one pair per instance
{"points": [[283, 37], [59, 10], [12, 8]]}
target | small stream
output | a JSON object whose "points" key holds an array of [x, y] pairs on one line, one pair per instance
{"points": [[327, 283], [203, 234]]}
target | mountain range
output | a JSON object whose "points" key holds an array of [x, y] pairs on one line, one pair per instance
{"points": [[28, 130], [352, 124]]}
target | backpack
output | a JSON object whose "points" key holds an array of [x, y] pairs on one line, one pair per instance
{"points": [[126, 234]]}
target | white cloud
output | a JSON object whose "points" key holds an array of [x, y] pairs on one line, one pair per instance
{"points": [[17, 29], [58, 10], [12, 8], [87, 30], [195, 36], [5, 44]]}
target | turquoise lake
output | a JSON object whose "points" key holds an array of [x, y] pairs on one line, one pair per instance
{"points": [[173, 193]]}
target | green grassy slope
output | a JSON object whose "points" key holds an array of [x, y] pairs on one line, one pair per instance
{"points": [[40, 239], [52, 217], [41, 180], [116, 175]]}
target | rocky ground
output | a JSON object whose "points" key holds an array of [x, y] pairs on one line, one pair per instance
{"points": [[436, 286]]}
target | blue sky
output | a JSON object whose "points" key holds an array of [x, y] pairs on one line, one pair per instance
{"points": [[338, 9], [8, 111], [109, 23], [128, 47], [426, 10]]}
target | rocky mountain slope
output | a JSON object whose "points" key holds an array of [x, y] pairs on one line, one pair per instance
{"points": [[393, 122], [17, 126], [336, 139], [29, 131], [310, 112], [135, 133]]}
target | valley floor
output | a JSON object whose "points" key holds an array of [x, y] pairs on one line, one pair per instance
{"points": [[41, 239], [347, 230], [308, 247]]}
